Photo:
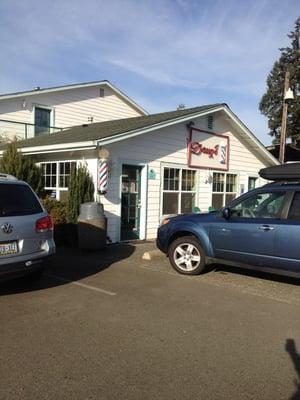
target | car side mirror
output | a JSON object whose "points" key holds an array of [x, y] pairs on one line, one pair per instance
{"points": [[226, 213]]}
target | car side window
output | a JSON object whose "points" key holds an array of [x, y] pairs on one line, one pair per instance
{"points": [[260, 205], [294, 212]]}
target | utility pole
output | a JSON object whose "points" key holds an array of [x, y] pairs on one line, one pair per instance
{"points": [[284, 118]]}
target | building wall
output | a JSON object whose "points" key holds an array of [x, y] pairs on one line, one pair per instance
{"points": [[69, 108], [168, 146]]}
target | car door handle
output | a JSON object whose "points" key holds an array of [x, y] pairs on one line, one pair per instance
{"points": [[266, 228]]}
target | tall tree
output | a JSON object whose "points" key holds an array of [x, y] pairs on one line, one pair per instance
{"points": [[271, 103], [81, 190]]}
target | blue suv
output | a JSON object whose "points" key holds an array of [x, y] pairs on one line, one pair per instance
{"points": [[258, 230]]}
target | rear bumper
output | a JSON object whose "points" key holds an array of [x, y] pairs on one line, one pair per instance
{"points": [[22, 265], [16, 270]]}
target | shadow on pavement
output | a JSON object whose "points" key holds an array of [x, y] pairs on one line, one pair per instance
{"points": [[290, 348], [223, 269], [70, 264]]}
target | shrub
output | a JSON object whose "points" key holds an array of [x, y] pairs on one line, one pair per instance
{"points": [[81, 190], [24, 168], [56, 209]]}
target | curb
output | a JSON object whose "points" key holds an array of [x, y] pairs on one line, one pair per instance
{"points": [[149, 255]]}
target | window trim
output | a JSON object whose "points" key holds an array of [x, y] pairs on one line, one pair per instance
{"points": [[57, 188], [180, 167], [45, 107]]}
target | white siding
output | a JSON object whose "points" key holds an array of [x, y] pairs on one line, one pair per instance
{"points": [[69, 108], [168, 146]]}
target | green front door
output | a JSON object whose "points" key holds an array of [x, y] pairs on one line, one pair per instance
{"points": [[131, 202]]}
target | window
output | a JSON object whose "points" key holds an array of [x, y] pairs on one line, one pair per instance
{"points": [[251, 182], [57, 175], [260, 205], [42, 117], [224, 189], [210, 121], [179, 191], [101, 92], [294, 212]]}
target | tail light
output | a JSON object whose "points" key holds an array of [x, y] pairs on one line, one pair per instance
{"points": [[44, 224]]}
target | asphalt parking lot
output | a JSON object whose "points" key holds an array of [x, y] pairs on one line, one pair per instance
{"points": [[109, 325]]}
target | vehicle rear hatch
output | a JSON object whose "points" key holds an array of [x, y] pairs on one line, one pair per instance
{"points": [[19, 211]]}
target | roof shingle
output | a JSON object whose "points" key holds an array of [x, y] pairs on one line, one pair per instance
{"points": [[107, 129]]}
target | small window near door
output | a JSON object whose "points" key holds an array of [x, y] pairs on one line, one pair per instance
{"points": [[294, 212], [224, 189], [42, 117], [251, 182]]}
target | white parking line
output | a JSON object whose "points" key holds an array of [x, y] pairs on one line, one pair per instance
{"points": [[59, 278]]}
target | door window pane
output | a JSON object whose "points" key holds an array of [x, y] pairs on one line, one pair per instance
{"points": [[170, 203], [260, 205], [294, 212]]}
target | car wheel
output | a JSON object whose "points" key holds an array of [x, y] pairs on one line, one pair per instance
{"points": [[187, 256]]}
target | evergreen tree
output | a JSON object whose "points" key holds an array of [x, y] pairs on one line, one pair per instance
{"points": [[81, 190], [22, 167], [271, 103]]}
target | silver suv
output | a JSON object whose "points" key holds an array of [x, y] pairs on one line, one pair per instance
{"points": [[26, 230]]}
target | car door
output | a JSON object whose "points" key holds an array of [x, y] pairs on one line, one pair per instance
{"points": [[287, 248], [248, 235]]}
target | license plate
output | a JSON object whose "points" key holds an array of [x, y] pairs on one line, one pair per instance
{"points": [[8, 248]]}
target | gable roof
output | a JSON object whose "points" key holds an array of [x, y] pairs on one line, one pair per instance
{"points": [[103, 133], [39, 90]]}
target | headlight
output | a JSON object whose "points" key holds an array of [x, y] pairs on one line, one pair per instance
{"points": [[165, 221]]}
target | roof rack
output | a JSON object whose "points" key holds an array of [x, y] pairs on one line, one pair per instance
{"points": [[288, 173], [7, 177]]}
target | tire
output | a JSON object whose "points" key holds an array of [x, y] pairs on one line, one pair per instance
{"points": [[187, 256]]}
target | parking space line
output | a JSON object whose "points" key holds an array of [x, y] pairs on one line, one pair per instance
{"points": [[59, 278]]}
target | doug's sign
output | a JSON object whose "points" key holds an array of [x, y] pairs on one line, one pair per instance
{"points": [[208, 150]]}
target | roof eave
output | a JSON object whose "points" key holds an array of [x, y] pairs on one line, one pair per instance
{"points": [[75, 86], [140, 131]]}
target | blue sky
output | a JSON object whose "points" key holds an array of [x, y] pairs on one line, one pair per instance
{"points": [[160, 52]]}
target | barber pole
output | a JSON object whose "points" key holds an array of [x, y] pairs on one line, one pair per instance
{"points": [[102, 176], [223, 153]]}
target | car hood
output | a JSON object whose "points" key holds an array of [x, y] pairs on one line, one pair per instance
{"points": [[198, 218]]}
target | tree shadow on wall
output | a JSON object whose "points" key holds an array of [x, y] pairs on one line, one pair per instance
{"points": [[291, 349]]}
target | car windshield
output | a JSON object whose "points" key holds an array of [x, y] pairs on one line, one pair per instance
{"points": [[16, 199]]}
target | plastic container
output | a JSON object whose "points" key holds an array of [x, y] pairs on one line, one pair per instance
{"points": [[92, 227]]}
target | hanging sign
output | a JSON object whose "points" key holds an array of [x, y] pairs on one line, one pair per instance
{"points": [[208, 150], [102, 176], [151, 174]]}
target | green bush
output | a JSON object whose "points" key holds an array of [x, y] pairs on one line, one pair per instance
{"points": [[81, 190], [22, 167], [56, 209]]}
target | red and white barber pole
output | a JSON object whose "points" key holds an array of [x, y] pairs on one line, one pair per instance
{"points": [[102, 176]]}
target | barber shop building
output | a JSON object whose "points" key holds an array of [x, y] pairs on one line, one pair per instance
{"points": [[183, 161]]}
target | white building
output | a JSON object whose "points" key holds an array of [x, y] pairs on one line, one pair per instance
{"points": [[175, 162], [41, 111]]}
